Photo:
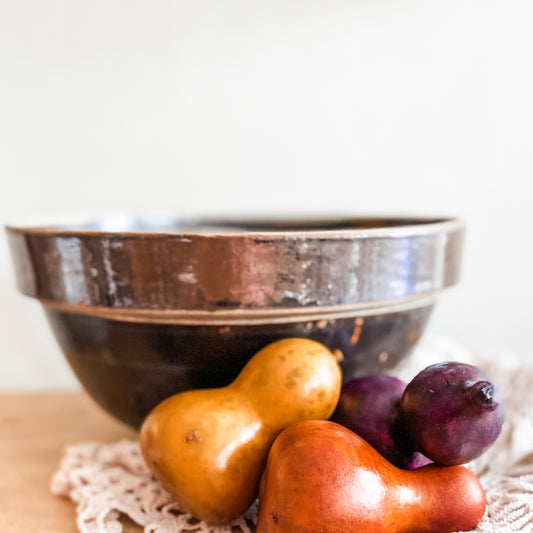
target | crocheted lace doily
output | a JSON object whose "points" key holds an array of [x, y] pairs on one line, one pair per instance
{"points": [[107, 481]]}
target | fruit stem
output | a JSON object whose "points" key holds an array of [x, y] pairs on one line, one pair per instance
{"points": [[339, 356], [482, 393]]}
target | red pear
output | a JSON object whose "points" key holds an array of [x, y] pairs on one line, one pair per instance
{"points": [[322, 477]]}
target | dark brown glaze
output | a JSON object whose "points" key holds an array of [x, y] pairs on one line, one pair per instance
{"points": [[251, 267], [162, 305], [128, 367]]}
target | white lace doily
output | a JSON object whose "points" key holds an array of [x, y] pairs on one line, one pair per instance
{"points": [[109, 480]]}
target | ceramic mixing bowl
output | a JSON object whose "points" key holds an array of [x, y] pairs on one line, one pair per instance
{"points": [[146, 307]]}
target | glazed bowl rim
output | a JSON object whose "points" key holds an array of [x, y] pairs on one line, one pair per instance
{"points": [[261, 275]]}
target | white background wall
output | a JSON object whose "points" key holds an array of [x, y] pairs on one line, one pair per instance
{"points": [[274, 106]]}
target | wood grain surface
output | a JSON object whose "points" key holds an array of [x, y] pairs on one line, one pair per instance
{"points": [[34, 430]]}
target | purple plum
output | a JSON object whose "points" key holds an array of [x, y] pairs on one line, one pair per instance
{"points": [[368, 406], [452, 412]]}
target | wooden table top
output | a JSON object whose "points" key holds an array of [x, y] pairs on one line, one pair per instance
{"points": [[34, 430]]}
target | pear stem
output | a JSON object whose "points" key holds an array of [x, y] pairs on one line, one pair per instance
{"points": [[482, 393]]}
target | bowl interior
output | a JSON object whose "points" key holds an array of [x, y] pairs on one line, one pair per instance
{"points": [[228, 226]]}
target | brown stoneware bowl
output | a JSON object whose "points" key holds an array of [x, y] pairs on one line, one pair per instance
{"points": [[147, 307]]}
